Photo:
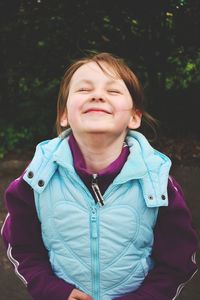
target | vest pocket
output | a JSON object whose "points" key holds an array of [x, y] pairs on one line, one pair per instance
{"points": [[69, 274], [128, 284]]}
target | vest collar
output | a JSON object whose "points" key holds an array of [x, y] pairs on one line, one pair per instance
{"points": [[144, 163], [149, 166]]}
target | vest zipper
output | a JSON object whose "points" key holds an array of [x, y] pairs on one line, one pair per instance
{"points": [[98, 196], [95, 255]]}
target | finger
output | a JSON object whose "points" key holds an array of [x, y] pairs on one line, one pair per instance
{"points": [[83, 296], [78, 295]]}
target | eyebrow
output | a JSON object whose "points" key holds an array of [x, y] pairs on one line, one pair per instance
{"points": [[83, 81]]}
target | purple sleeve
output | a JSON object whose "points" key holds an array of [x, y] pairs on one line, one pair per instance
{"points": [[175, 244], [22, 236]]}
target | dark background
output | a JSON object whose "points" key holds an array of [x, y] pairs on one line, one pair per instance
{"points": [[159, 40]]}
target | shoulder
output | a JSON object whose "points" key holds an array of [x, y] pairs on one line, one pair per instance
{"points": [[19, 189], [175, 191], [177, 201], [173, 185], [176, 217], [48, 156]]}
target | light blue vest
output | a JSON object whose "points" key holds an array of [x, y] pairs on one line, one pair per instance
{"points": [[104, 251]]}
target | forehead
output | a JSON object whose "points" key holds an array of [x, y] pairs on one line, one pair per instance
{"points": [[92, 71]]}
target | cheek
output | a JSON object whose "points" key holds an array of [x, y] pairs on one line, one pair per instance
{"points": [[73, 105], [123, 105]]}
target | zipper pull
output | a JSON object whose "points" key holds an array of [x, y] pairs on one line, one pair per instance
{"points": [[99, 198]]}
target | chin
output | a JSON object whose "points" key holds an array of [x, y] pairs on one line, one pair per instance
{"points": [[95, 131]]}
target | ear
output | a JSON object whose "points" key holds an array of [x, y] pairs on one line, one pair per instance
{"points": [[63, 119], [135, 119]]}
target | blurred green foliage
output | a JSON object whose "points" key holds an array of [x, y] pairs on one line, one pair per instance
{"points": [[39, 39], [12, 139]]}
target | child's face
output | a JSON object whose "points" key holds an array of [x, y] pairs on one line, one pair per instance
{"points": [[99, 103]]}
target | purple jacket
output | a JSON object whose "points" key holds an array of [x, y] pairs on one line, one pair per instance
{"points": [[21, 233]]}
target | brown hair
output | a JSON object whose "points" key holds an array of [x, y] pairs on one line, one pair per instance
{"points": [[120, 69]]}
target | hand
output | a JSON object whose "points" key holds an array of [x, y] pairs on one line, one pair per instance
{"points": [[78, 295]]}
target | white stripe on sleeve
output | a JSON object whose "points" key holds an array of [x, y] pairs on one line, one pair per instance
{"points": [[15, 263], [181, 286]]}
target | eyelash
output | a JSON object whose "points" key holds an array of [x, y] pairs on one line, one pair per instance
{"points": [[84, 90], [109, 91], [114, 91]]}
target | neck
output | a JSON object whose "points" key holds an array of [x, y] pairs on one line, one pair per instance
{"points": [[99, 151]]}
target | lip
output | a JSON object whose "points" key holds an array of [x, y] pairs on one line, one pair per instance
{"points": [[96, 109]]}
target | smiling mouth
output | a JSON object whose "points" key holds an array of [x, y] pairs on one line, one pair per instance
{"points": [[96, 110]]}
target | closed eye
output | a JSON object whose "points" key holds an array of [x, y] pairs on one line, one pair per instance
{"points": [[84, 90], [114, 91]]}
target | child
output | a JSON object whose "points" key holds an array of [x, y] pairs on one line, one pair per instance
{"points": [[96, 214]]}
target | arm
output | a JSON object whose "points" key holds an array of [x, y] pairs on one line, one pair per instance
{"points": [[175, 243], [22, 237]]}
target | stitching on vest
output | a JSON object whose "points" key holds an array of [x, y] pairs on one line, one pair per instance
{"points": [[126, 278], [77, 283], [69, 249], [130, 243]]}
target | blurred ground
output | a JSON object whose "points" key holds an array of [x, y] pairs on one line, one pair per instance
{"points": [[185, 155]]}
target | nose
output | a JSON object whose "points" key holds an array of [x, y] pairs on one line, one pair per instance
{"points": [[98, 96]]}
